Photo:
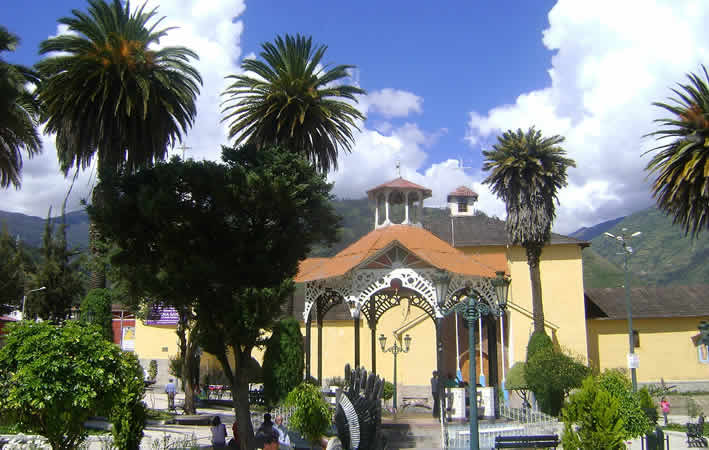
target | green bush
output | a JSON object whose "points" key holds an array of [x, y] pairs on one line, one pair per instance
{"points": [[153, 369], [388, 390], [311, 414], [52, 378], [551, 375], [96, 308], [617, 384], [283, 361], [647, 404], [517, 381], [128, 412], [538, 341], [593, 419]]}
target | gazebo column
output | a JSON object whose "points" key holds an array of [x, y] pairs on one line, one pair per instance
{"points": [[492, 359], [320, 350], [386, 204], [439, 364], [373, 332], [307, 347], [356, 339], [406, 208]]}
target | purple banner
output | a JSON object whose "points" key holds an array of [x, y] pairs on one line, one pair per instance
{"points": [[162, 316]]}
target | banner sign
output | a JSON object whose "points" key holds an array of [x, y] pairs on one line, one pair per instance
{"points": [[162, 316]]}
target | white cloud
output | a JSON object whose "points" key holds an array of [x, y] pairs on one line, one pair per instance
{"points": [[208, 28], [394, 102], [612, 60]]}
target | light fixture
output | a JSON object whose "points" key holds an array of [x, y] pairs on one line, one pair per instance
{"points": [[440, 282], [382, 341], [407, 343], [502, 285]]}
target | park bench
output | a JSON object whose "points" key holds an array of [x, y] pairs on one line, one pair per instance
{"points": [[414, 401], [695, 434], [539, 441]]}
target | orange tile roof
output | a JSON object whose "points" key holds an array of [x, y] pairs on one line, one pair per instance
{"points": [[419, 241], [463, 191], [400, 183]]}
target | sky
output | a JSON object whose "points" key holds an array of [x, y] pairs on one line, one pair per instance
{"points": [[443, 80]]}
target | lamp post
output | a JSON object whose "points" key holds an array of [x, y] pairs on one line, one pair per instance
{"points": [[472, 309], [624, 239], [24, 298], [395, 350]]}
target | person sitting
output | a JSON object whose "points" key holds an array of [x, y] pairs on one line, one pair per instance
{"points": [[235, 442], [267, 435], [283, 438], [218, 432]]}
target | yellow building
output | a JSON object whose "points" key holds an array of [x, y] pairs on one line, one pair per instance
{"points": [[665, 330], [385, 283]]}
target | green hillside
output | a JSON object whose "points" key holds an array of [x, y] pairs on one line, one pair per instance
{"points": [[662, 254]]}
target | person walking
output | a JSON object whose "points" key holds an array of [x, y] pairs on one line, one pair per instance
{"points": [[171, 390], [434, 393], [665, 407]]}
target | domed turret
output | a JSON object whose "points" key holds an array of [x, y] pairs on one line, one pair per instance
{"points": [[398, 202]]}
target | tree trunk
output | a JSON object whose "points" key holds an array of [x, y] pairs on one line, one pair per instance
{"points": [[240, 395], [187, 347], [97, 277], [534, 253]]}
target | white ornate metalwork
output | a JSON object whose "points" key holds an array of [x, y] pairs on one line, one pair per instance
{"points": [[357, 287]]}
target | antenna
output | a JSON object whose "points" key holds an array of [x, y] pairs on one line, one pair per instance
{"points": [[183, 147], [398, 168], [461, 165]]}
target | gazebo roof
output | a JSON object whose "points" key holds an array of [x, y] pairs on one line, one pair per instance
{"points": [[463, 191], [400, 183], [422, 243]]}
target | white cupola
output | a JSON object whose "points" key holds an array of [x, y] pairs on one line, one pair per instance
{"points": [[461, 201], [398, 202]]}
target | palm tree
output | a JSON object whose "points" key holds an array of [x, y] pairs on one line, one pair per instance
{"points": [[527, 171], [109, 92], [682, 164], [19, 114], [289, 98]]}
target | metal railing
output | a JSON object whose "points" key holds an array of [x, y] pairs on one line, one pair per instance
{"points": [[522, 422]]}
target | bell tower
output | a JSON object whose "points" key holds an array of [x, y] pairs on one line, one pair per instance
{"points": [[398, 202]]}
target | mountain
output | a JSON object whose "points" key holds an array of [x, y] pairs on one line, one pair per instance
{"points": [[31, 228], [662, 254], [588, 233]]}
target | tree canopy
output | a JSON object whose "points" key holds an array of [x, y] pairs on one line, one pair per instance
{"points": [[290, 98], [526, 172], [681, 163], [108, 91], [19, 114], [224, 239]]}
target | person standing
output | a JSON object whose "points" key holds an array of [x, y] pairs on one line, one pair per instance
{"points": [[434, 393], [665, 407], [283, 438], [171, 390]]}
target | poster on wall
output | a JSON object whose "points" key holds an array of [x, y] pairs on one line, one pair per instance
{"points": [[162, 316], [128, 341]]}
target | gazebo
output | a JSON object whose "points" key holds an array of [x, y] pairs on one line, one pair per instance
{"points": [[398, 260]]}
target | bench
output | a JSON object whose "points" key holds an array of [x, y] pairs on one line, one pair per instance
{"points": [[539, 441], [695, 434], [415, 401]]}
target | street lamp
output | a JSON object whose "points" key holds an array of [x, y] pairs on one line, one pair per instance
{"points": [[624, 240], [395, 350], [24, 298], [473, 309]]}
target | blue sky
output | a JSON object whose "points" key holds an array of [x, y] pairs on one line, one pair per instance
{"points": [[444, 79]]}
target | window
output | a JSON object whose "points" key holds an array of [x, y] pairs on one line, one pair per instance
{"points": [[462, 206], [703, 353], [636, 338]]}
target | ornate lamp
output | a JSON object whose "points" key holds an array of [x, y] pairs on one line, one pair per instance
{"points": [[441, 280], [383, 342], [502, 286], [407, 343]]}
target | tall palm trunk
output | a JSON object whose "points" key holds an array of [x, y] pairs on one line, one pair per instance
{"points": [[534, 253]]}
